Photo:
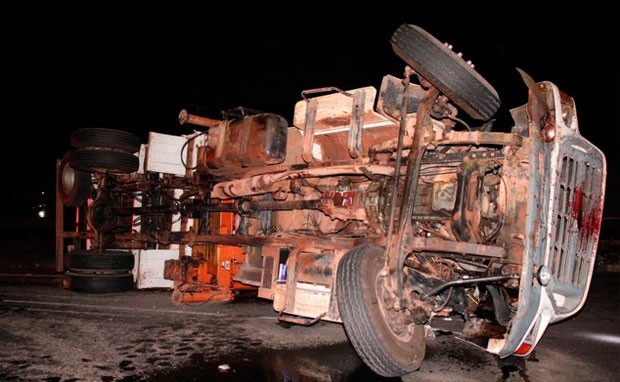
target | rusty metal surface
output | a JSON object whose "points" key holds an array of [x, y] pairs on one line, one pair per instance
{"points": [[357, 120], [186, 295], [390, 239], [391, 97], [479, 280], [396, 255], [457, 138], [187, 270], [185, 117], [478, 327], [252, 141], [316, 268], [310, 276], [305, 93], [273, 182], [189, 238], [314, 243], [344, 205], [308, 133], [480, 138], [247, 206], [300, 321], [435, 244]]}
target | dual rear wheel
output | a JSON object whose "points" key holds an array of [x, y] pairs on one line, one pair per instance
{"points": [[99, 271], [97, 150]]}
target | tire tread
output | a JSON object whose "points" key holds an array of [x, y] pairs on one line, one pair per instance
{"points": [[108, 138], [94, 160], [106, 260], [446, 71], [96, 283], [356, 319]]}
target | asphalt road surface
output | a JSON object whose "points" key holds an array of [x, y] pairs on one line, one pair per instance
{"points": [[50, 334]]}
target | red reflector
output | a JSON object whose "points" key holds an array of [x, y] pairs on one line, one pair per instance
{"points": [[524, 349]]}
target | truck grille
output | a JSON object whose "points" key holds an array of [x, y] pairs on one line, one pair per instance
{"points": [[577, 219]]}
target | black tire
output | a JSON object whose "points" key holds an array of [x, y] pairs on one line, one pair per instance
{"points": [[98, 283], [73, 185], [101, 261], [107, 138], [104, 160], [445, 70], [379, 347]]}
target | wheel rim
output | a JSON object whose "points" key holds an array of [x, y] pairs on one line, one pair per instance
{"points": [[393, 320], [67, 179]]}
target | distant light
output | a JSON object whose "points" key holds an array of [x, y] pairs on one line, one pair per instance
{"points": [[42, 214]]}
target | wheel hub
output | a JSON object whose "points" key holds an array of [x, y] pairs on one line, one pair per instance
{"points": [[395, 319]]}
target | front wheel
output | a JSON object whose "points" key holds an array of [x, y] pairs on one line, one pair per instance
{"points": [[446, 70], [385, 343]]}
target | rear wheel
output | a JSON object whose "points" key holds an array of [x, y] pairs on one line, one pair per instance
{"points": [[98, 283], [108, 138], [104, 160], [387, 345], [101, 261]]}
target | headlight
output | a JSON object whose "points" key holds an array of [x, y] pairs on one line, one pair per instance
{"points": [[543, 276]]}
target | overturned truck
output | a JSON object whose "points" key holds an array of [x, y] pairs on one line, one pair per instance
{"points": [[389, 213]]}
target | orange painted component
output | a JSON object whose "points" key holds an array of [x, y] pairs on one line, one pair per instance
{"points": [[228, 257], [209, 276], [203, 275]]}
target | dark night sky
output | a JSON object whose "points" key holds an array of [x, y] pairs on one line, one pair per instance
{"points": [[134, 67]]}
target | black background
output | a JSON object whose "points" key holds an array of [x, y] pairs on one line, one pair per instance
{"points": [[133, 67]]}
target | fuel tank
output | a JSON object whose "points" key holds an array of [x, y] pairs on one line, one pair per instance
{"points": [[255, 140]]}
